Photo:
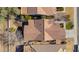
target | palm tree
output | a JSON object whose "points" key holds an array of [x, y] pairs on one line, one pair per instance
{"points": [[7, 12]]}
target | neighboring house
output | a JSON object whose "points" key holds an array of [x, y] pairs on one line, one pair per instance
{"points": [[35, 10]]}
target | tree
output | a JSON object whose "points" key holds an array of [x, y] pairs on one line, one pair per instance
{"points": [[7, 12]]}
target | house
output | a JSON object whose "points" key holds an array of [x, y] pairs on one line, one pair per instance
{"points": [[47, 29], [42, 29]]}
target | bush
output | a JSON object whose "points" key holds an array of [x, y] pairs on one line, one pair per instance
{"points": [[69, 25]]}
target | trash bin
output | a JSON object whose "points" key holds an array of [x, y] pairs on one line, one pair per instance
{"points": [[20, 48]]}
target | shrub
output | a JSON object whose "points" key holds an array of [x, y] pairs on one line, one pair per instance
{"points": [[69, 25], [28, 17]]}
